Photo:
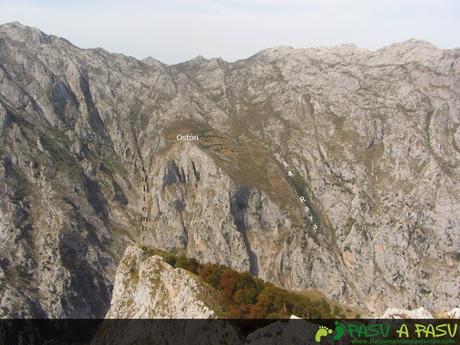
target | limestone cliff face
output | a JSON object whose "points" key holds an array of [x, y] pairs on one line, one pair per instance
{"points": [[146, 287], [197, 206], [88, 147]]}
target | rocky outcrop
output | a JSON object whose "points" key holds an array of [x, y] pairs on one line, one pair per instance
{"points": [[394, 313], [370, 140], [454, 313], [420, 313], [146, 287]]}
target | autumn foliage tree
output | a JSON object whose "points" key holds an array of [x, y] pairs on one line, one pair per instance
{"points": [[245, 296]]}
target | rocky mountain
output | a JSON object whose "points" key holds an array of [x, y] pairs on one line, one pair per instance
{"points": [[146, 287], [328, 168]]}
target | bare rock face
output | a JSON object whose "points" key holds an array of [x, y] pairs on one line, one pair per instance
{"points": [[454, 313], [394, 313], [419, 313], [369, 140], [146, 287], [198, 206]]}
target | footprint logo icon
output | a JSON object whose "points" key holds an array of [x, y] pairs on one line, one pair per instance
{"points": [[322, 331], [339, 330]]}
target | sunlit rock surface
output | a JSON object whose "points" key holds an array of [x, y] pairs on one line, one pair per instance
{"points": [[372, 139]]}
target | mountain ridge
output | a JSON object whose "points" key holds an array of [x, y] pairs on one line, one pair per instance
{"points": [[370, 141], [411, 42]]}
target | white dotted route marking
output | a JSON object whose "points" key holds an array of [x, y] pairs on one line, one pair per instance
{"points": [[303, 200]]}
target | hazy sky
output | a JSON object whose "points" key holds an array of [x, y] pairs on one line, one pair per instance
{"points": [[177, 30]]}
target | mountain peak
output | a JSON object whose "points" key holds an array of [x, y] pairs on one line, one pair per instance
{"points": [[198, 60], [410, 44], [152, 61], [276, 51], [18, 27], [346, 155], [418, 42], [24, 33]]}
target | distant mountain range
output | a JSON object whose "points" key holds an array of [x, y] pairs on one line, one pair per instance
{"points": [[335, 169]]}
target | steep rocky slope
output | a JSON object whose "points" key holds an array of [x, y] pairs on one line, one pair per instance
{"points": [[88, 147], [147, 287]]}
